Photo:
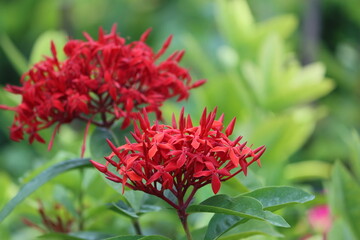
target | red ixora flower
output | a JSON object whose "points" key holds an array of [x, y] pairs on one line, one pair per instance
{"points": [[179, 157], [100, 82]]}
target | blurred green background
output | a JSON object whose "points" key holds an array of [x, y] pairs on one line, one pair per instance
{"points": [[288, 70]]}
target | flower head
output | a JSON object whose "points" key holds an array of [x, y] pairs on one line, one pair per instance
{"points": [[179, 157], [100, 82]]}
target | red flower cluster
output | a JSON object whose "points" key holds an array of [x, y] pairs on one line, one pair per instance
{"points": [[179, 157], [100, 82]]}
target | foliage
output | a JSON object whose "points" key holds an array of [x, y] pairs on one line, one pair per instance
{"points": [[252, 56]]}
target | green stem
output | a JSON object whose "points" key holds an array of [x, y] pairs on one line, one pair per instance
{"points": [[81, 202], [137, 227]]}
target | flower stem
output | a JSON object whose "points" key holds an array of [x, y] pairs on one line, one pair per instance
{"points": [[183, 218], [137, 227], [81, 202]]}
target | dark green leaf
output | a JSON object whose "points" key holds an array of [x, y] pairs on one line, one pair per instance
{"points": [[221, 223], [250, 228], [241, 206], [127, 237], [91, 235], [99, 148], [124, 209], [41, 179], [153, 237], [274, 198], [149, 208], [246, 207]]}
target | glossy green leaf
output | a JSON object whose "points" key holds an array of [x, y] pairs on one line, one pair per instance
{"points": [[241, 206], [250, 228], [42, 46], [271, 198], [274, 198], [124, 209], [246, 207], [39, 180], [220, 224], [345, 201]]}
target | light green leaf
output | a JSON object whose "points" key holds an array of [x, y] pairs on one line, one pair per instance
{"points": [[344, 191], [42, 46], [340, 230], [274, 198], [283, 25], [235, 19], [39, 180], [353, 143], [16, 58], [308, 170]]}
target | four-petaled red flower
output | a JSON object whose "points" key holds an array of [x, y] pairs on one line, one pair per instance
{"points": [[179, 157], [100, 82]]}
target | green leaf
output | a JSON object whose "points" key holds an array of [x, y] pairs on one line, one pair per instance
{"points": [[283, 25], [340, 230], [154, 237], [250, 228], [245, 207], [274, 198], [127, 237], [124, 209], [99, 148], [41, 179], [308, 170], [76, 236], [59, 236], [353, 143], [221, 223], [344, 195], [16, 58], [138, 237], [42, 46], [235, 20], [241, 206]]}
